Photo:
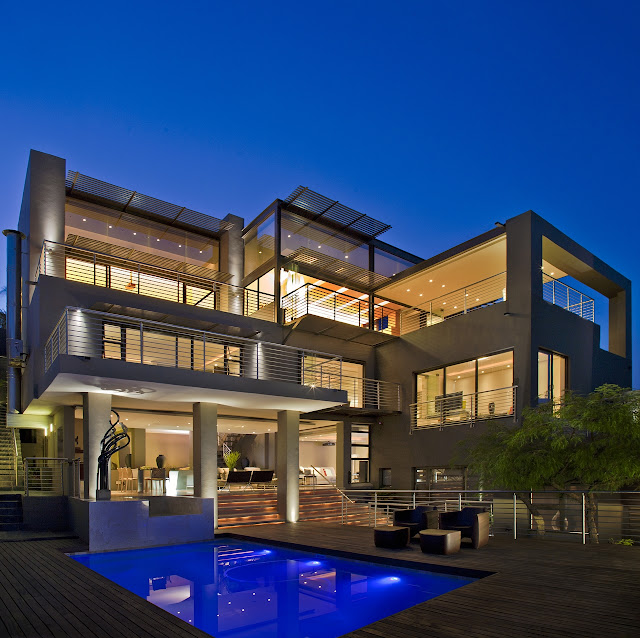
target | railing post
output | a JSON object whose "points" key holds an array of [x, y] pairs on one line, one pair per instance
{"points": [[66, 333], [465, 300], [430, 322], [414, 499], [515, 517], [584, 521], [375, 509], [138, 279], [342, 508], [459, 501], [94, 269], [141, 343], [26, 477]]}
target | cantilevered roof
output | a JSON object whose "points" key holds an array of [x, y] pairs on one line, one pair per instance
{"points": [[123, 199], [330, 211], [313, 262]]}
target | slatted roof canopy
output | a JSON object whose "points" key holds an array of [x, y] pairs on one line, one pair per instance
{"points": [[336, 214], [85, 187], [149, 259], [316, 263]]}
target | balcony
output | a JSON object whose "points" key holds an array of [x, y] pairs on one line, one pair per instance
{"points": [[473, 297], [559, 294], [96, 335], [458, 408], [139, 278], [311, 299]]}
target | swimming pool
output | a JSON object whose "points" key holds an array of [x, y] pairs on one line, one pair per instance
{"points": [[240, 589]]}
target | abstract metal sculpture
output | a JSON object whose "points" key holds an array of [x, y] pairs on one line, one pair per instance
{"points": [[110, 444]]}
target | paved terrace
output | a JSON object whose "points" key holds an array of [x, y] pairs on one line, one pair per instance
{"points": [[538, 588]]}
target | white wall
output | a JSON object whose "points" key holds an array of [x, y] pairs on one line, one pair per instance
{"points": [[314, 453], [175, 447]]}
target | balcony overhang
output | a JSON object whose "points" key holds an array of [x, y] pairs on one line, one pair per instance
{"points": [[348, 411], [344, 331], [77, 375]]}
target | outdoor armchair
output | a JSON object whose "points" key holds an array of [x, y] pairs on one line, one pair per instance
{"points": [[422, 517], [472, 522]]}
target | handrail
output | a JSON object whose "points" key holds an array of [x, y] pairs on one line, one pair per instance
{"points": [[110, 271], [456, 408], [560, 294], [317, 471], [50, 484]]}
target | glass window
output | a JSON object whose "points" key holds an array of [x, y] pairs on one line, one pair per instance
{"points": [[434, 478], [552, 377], [387, 264], [259, 245], [495, 379], [360, 454]]}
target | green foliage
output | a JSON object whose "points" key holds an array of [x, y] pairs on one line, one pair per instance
{"points": [[231, 459], [627, 542], [592, 441]]}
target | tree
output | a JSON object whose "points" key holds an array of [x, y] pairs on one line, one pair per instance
{"points": [[587, 441]]}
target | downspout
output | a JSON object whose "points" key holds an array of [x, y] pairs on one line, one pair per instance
{"points": [[14, 320]]}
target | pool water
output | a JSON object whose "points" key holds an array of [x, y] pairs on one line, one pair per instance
{"points": [[239, 589]]}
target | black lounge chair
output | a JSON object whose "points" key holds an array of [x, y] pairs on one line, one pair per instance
{"points": [[262, 478], [472, 522], [422, 517], [242, 478]]}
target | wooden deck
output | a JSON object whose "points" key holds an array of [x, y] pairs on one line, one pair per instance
{"points": [[538, 588]]}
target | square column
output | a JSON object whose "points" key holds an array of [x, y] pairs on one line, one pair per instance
{"points": [[288, 465], [205, 453], [96, 410], [64, 420], [343, 454]]}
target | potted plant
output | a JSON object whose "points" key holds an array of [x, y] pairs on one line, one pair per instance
{"points": [[231, 459]]}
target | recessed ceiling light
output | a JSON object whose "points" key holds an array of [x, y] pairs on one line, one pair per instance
{"points": [[157, 240], [319, 246], [443, 285], [455, 307], [135, 233], [444, 303], [482, 371], [288, 235], [110, 226], [458, 376], [477, 298], [553, 273], [421, 294], [408, 289], [83, 219]]}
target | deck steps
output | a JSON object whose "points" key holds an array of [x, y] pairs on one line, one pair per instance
{"points": [[10, 512], [8, 458], [251, 507]]}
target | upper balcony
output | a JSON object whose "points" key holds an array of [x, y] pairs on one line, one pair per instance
{"points": [[92, 336], [560, 294], [183, 283]]}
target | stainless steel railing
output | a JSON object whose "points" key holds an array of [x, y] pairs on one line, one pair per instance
{"points": [[458, 408], [585, 516], [51, 476], [455, 303], [311, 299], [559, 294], [108, 271]]}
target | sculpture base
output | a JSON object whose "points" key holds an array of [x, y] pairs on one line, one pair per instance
{"points": [[103, 495]]}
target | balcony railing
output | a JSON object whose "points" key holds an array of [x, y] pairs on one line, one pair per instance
{"points": [[108, 271], [453, 304], [566, 297], [101, 335], [311, 299], [458, 408]]}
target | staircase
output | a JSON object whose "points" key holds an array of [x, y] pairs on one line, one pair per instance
{"points": [[9, 458], [10, 512], [253, 507]]}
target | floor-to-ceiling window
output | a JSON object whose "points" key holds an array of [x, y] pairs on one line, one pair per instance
{"points": [[552, 377], [360, 453]]}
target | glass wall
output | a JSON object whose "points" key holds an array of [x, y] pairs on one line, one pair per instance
{"points": [[360, 453], [110, 227], [552, 377], [475, 389], [299, 232], [387, 264], [259, 245]]}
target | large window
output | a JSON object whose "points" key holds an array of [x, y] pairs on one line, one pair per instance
{"points": [[475, 389], [552, 377], [259, 245], [360, 453], [345, 375], [389, 265]]}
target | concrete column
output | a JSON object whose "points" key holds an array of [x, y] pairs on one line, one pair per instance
{"points": [[65, 422], [288, 463], [343, 453], [138, 447], [96, 410], [205, 453]]}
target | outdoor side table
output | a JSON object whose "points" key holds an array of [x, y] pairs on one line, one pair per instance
{"points": [[391, 537], [440, 541]]}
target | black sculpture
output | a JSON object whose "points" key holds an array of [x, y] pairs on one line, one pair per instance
{"points": [[110, 444]]}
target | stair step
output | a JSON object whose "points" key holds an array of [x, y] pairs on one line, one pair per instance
{"points": [[10, 527]]}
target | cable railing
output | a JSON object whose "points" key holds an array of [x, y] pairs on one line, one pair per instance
{"points": [[311, 299], [51, 476], [585, 516], [453, 304], [559, 294], [109, 271], [457, 408]]}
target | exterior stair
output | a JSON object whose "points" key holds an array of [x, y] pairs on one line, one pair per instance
{"points": [[253, 507], [10, 512], [8, 457]]}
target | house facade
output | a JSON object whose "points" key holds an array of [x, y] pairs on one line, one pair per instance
{"points": [[299, 338]]}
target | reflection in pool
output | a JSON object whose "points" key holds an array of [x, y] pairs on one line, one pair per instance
{"points": [[240, 589]]}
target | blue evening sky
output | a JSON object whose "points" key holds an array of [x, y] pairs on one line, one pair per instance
{"points": [[437, 117]]}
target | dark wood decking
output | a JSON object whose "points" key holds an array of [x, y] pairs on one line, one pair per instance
{"points": [[538, 588]]}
